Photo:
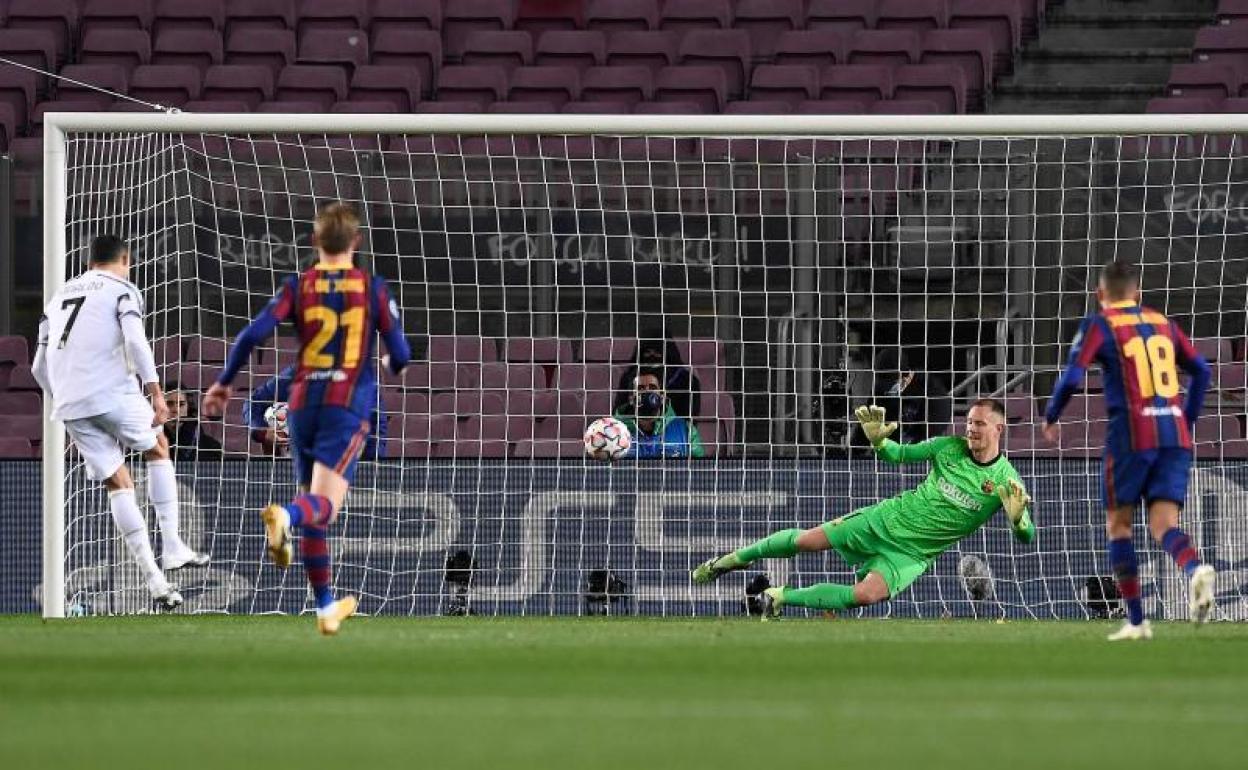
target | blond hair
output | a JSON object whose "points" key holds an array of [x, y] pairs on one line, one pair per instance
{"points": [[336, 227]]}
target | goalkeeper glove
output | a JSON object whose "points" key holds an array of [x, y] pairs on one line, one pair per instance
{"points": [[872, 419], [1014, 499]]}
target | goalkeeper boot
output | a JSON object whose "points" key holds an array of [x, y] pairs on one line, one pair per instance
{"points": [[277, 535], [329, 620], [164, 595], [185, 557], [715, 568], [1132, 633], [1200, 594], [771, 601]]}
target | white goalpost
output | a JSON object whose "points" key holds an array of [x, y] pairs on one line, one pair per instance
{"points": [[786, 269]]}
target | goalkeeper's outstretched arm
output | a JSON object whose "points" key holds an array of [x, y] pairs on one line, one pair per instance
{"points": [[1016, 503], [878, 431]]}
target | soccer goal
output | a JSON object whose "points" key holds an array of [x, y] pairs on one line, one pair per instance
{"points": [[778, 270]]}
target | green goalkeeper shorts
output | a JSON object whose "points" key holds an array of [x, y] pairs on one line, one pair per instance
{"points": [[862, 540]]}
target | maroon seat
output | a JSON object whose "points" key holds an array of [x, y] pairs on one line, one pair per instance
{"points": [[365, 106], [259, 14], [216, 105], [107, 76], [58, 17], [297, 106], [169, 85], [399, 86], [405, 16], [607, 349], [917, 15], [863, 83], [1215, 432], [918, 106], [337, 47], [17, 448], [514, 144], [22, 379], [846, 16], [687, 15], [476, 437], [462, 18], [1210, 81], [888, 47], [1003, 21], [251, 84], [472, 84], [272, 48], [549, 448], [790, 84], [461, 349], [705, 86], [943, 84], [579, 49], [765, 20], [538, 350], [969, 49], [602, 107], [506, 49], [627, 85], [1222, 45], [420, 50], [1185, 105], [20, 402], [612, 16], [1232, 11], [414, 435], [32, 47], [816, 48], [729, 50], [27, 426], [117, 14], [538, 17], [332, 14], [552, 85], [1237, 105], [125, 47], [200, 48], [655, 49], [179, 14], [1213, 348], [206, 350], [314, 83], [56, 105]]}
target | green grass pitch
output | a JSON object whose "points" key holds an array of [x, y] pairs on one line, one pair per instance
{"points": [[236, 692]]}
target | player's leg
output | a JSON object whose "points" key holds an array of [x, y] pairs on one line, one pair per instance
{"points": [[162, 493], [1122, 486], [882, 576], [1167, 488]]}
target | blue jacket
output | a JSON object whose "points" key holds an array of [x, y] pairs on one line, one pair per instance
{"points": [[674, 436], [277, 390]]}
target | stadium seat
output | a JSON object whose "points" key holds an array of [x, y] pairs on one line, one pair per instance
{"points": [[334, 47], [505, 49], [604, 107], [1210, 81], [729, 50], [846, 16], [367, 106], [788, 84], [399, 86], [917, 15], [914, 106], [969, 49], [472, 84], [58, 17], [259, 14], [332, 14], [8, 126], [14, 351], [682, 16], [607, 349], [55, 105], [1222, 45], [1184, 105], [706, 87], [612, 16], [251, 84], [32, 47], [16, 448], [579, 49], [887, 47], [405, 16], [476, 437], [107, 76], [125, 47], [417, 49], [27, 426], [20, 402], [646, 49], [1232, 11], [413, 435], [546, 350], [463, 17], [200, 48], [549, 448], [169, 85], [461, 349], [117, 14], [180, 14], [1216, 433], [1238, 104], [552, 85], [766, 20], [864, 83], [539, 17], [628, 85], [943, 84], [1213, 348], [815, 48], [272, 48], [1001, 20], [307, 82]]}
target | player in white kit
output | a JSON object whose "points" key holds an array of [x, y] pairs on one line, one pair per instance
{"points": [[91, 358]]}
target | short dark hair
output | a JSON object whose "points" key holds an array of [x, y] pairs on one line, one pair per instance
{"points": [[651, 371], [1120, 278], [107, 249], [996, 406]]}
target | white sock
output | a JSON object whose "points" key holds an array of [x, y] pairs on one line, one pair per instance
{"points": [[162, 493], [133, 528]]}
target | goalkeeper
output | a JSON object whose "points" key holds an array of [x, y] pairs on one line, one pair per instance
{"points": [[893, 542]]}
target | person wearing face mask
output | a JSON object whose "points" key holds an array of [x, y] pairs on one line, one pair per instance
{"points": [[681, 386], [186, 437], [656, 428], [920, 400]]}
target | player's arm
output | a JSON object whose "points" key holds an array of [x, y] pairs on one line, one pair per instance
{"points": [[1082, 353], [139, 354], [1016, 503], [1197, 368], [280, 308], [39, 367], [390, 325], [878, 432]]}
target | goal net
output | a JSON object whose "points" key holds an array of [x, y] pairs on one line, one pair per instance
{"points": [[776, 281]]}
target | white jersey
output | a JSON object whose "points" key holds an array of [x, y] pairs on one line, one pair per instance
{"points": [[88, 368]]}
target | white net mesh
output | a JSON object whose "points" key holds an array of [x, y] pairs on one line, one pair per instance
{"points": [[785, 280]]}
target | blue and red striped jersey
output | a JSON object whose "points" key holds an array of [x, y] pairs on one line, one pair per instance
{"points": [[1141, 353], [337, 313]]}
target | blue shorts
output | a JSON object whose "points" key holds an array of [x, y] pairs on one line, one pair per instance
{"points": [[330, 435], [1155, 474]]}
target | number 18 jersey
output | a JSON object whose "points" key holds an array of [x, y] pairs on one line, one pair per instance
{"points": [[1140, 352]]}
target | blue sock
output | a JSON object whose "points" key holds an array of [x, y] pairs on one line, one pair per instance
{"points": [[1127, 574], [315, 551]]}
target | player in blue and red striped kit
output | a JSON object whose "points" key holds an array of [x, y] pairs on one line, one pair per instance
{"points": [[1148, 449], [338, 309]]}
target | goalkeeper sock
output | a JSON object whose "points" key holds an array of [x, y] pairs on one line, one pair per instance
{"points": [[1127, 574], [133, 528], [314, 549], [824, 596], [1179, 546], [310, 511], [778, 545], [162, 493]]}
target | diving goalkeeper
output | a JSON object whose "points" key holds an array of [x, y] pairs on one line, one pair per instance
{"points": [[893, 542]]}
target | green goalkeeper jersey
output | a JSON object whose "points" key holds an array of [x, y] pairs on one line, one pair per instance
{"points": [[955, 499]]}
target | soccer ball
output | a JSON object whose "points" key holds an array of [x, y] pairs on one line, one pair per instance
{"points": [[275, 416], [607, 439]]}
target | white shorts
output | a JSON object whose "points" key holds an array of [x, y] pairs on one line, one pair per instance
{"points": [[104, 439]]}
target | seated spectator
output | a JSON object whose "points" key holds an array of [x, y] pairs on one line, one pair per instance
{"points": [[657, 430], [277, 391], [920, 399], [684, 391], [187, 439]]}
